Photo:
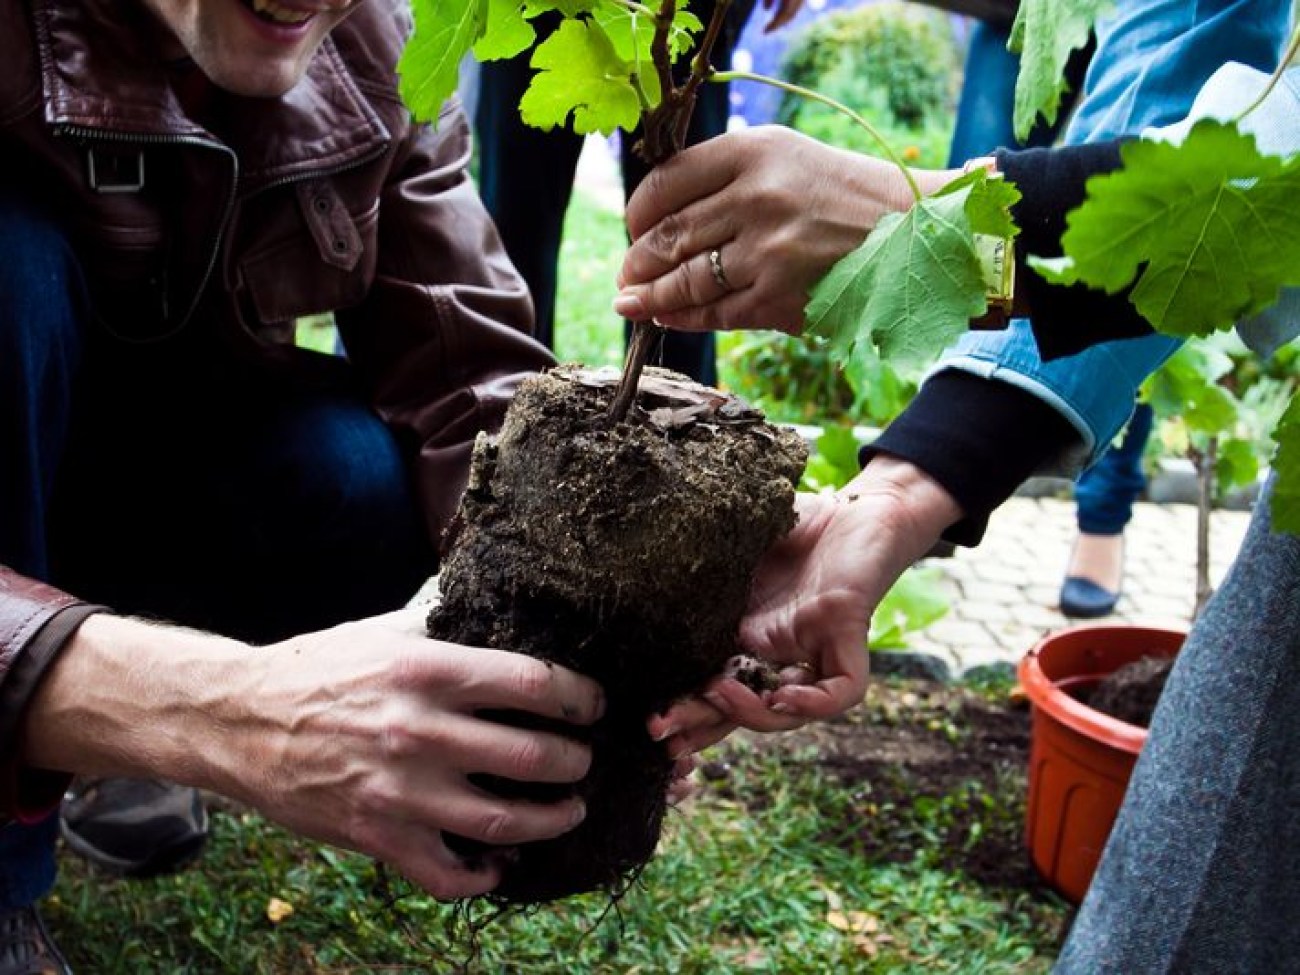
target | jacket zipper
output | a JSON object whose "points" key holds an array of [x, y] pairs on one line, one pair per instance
{"points": [[232, 196], [108, 135]]}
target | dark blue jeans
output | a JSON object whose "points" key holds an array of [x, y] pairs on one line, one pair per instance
{"points": [[169, 481], [526, 179], [1104, 494]]}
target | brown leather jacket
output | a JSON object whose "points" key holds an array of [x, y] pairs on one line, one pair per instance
{"points": [[327, 199]]}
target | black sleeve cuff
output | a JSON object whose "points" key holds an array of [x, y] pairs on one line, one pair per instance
{"points": [[1052, 182], [1003, 435]]}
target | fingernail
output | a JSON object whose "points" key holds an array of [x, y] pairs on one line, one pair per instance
{"points": [[779, 708], [629, 306], [717, 700], [601, 704], [579, 814], [669, 730]]}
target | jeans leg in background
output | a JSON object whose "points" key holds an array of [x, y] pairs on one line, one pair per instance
{"points": [[42, 316], [526, 180], [256, 513], [1202, 871], [1105, 493]]}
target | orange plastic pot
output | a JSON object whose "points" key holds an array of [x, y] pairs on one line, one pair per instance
{"points": [[1080, 759]]}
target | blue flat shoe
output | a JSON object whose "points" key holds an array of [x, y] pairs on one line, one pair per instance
{"points": [[1084, 599]]}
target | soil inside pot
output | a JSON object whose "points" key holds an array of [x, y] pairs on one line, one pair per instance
{"points": [[625, 552], [1131, 692]]}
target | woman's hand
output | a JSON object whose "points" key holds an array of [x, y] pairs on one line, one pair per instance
{"points": [[734, 232], [812, 601]]}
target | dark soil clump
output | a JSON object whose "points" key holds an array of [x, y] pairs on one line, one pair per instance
{"points": [[1132, 692], [624, 552]]}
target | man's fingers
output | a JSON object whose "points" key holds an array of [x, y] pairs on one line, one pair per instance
{"points": [[479, 815], [687, 714], [429, 864], [749, 710], [484, 746], [512, 681], [824, 699]]}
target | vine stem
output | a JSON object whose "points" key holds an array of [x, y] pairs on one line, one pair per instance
{"points": [[762, 79], [663, 133], [1293, 46]]}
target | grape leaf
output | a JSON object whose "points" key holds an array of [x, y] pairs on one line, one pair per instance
{"points": [[429, 68], [1187, 386], [1045, 33], [915, 283], [1286, 464], [507, 32], [1206, 228], [914, 602], [632, 34], [580, 75], [989, 205], [1237, 464]]}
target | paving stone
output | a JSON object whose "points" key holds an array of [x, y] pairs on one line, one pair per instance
{"points": [[1004, 592], [979, 591]]}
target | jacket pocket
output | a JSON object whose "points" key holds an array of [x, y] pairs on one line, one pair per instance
{"points": [[313, 273]]}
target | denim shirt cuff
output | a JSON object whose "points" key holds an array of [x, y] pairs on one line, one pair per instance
{"points": [[1094, 391]]}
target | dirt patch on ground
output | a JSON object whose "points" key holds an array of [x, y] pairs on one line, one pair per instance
{"points": [[935, 771]]}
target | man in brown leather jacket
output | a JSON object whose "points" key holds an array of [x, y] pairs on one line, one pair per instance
{"points": [[182, 181]]}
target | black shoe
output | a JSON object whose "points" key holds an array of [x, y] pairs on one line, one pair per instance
{"points": [[1084, 599], [134, 827], [26, 948]]}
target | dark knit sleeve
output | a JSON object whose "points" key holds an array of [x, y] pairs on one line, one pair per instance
{"points": [[979, 438], [1052, 183]]}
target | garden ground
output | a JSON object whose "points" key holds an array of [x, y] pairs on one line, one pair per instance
{"points": [[887, 841]]}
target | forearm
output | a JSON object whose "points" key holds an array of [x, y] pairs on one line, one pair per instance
{"points": [[978, 439], [131, 698]]}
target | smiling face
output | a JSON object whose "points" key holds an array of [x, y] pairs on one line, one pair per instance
{"points": [[259, 48]]}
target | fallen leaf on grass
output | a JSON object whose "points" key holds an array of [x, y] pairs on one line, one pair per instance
{"points": [[277, 910]]}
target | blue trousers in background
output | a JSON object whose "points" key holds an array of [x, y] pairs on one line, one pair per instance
{"points": [[1104, 494], [171, 482]]}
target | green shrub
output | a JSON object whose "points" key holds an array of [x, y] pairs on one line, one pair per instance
{"points": [[799, 380], [896, 64]]}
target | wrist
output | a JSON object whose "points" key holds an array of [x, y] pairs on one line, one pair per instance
{"points": [[138, 699], [907, 503]]}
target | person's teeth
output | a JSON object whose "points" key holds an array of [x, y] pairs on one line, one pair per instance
{"points": [[282, 15]]}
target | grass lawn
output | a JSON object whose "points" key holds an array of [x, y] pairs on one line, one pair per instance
{"points": [[785, 864]]}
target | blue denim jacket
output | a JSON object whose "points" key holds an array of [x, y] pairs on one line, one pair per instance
{"points": [[1153, 56]]}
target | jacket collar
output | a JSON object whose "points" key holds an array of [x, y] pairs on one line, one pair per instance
{"points": [[101, 72]]}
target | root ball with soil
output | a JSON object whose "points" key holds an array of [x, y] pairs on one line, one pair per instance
{"points": [[624, 551]]}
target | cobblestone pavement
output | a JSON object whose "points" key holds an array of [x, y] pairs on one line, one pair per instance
{"points": [[1003, 593]]}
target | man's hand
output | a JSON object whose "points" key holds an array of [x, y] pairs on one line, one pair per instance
{"points": [[812, 601], [363, 736]]}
